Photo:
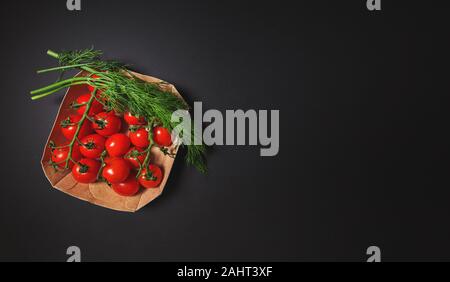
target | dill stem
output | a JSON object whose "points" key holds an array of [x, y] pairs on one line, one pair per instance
{"points": [[60, 68], [58, 84], [53, 54], [39, 96]]}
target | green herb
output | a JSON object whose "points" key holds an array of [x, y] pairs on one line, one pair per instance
{"points": [[123, 91]]}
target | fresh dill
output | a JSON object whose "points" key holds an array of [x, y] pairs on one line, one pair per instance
{"points": [[122, 92]]}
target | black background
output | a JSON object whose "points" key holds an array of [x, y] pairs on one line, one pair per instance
{"points": [[364, 151]]}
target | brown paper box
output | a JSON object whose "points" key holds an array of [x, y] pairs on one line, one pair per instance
{"points": [[100, 193]]}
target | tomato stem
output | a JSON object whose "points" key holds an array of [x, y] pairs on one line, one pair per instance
{"points": [[149, 148], [102, 159], [80, 124], [59, 147]]}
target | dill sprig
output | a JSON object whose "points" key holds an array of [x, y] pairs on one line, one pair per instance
{"points": [[83, 58], [122, 92], [91, 58], [67, 58]]}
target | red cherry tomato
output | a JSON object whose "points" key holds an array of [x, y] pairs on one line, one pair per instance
{"points": [[135, 157], [114, 113], [86, 170], [139, 138], [162, 136], [108, 159], [80, 105], [151, 177], [133, 120], [127, 188], [106, 124], [60, 155], [92, 146], [70, 125], [116, 170], [117, 145]]}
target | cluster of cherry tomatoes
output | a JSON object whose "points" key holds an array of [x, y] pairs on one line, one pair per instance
{"points": [[99, 151]]}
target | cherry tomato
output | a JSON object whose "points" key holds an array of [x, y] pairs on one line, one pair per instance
{"points": [[80, 105], [113, 113], [151, 177], [117, 145], [60, 155], [133, 120], [70, 125], [116, 170], [135, 157], [108, 159], [127, 188], [162, 136], [139, 138], [92, 146], [86, 170], [106, 124]]}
